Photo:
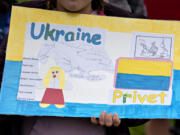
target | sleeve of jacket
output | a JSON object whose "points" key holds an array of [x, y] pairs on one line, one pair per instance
{"points": [[3, 119], [133, 122], [122, 129], [41, 4], [111, 10], [138, 7], [2, 57], [2, 60]]}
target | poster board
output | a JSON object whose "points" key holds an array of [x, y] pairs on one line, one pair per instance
{"points": [[62, 64]]}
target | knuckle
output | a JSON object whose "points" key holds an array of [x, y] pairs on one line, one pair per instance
{"points": [[109, 124], [101, 123]]}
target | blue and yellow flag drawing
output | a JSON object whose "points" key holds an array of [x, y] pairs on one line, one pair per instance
{"points": [[143, 74]]}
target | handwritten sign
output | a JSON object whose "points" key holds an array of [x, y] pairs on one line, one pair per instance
{"points": [[81, 65]]}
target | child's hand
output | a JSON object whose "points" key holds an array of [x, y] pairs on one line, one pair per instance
{"points": [[107, 119]]}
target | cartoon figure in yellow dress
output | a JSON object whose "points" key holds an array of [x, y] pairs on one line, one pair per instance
{"points": [[54, 82]]}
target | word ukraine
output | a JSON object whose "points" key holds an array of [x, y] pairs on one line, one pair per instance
{"points": [[55, 34]]}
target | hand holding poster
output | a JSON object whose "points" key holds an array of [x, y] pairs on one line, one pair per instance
{"points": [[83, 64]]}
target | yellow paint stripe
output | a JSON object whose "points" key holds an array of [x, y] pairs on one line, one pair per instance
{"points": [[142, 67], [21, 16]]}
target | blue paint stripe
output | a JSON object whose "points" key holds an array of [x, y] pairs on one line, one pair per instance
{"points": [[10, 82], [145, 82], [9, 104]]}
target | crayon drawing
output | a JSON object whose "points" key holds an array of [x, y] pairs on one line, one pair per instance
{"points": [[54, 81]]}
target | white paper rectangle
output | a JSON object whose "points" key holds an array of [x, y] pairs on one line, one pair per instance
{"points": [[152, 45]]}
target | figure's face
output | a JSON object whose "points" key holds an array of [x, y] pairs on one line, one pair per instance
{"points": [[55, 74], [78, 6]]}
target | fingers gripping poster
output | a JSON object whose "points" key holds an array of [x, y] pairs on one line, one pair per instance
{"points": [[62, 64]]}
